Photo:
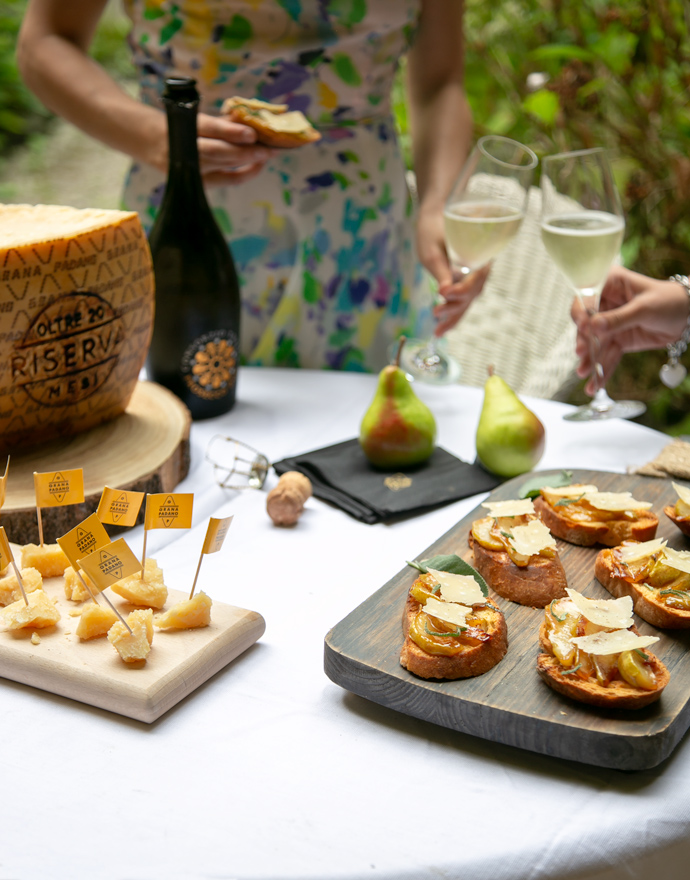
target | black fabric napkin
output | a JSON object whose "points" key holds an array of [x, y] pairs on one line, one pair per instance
{"points": [[342, 475]]}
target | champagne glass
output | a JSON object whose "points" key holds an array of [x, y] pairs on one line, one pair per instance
{"points": [[582, 229], [482, 215]]}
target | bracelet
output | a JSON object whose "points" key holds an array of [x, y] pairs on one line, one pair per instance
{"points": [[673, 372]]}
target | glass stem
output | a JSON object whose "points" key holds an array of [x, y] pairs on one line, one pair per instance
{"points": [[601, 400]]}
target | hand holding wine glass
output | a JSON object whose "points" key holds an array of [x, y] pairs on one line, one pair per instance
{"points": [[582, 229], [482, 215]]}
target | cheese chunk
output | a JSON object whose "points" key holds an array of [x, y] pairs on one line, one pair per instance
{"points": [[188, 614], [449, 612], [509, 508], [613, 642], [633, 551], [462, 588], [40, 613], [49, 559], [615, 501], [95, 621], [678, 559], [149, 590], [529, 539], [610, 613], [77, 296], [74, 588], [9, 586], [135, 646]]}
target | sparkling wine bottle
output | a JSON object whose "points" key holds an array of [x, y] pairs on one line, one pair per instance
{"points": [[194, 348]]}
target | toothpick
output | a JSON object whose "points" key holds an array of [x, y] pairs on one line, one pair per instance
{"points": [[40, 525], [85, 584], [19, 581], [112, 607], [201, 556]]}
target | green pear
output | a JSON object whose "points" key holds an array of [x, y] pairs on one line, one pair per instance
{"points": [[397, 430], [510, 438]]}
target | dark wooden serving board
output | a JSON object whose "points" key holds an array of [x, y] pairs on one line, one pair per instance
{"points": [[510, 704]]}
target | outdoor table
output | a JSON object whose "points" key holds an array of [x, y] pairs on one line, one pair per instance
{"points": [[269, 769]]}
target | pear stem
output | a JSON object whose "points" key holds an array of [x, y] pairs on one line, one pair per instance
{"points": [[401, 342], [490, 369]]}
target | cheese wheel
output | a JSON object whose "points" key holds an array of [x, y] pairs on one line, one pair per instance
{"points": [[76, 316]]}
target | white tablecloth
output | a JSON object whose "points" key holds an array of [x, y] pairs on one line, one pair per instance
{"points": [[270, 770]]}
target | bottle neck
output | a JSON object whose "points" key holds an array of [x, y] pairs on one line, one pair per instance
{"points": [[184, 176]]}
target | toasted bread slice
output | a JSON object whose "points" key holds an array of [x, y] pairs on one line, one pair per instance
{"points": [[274, 124], [682, 522], [478, 648], [625, 679], [607, 530], [535, 584], [650, 603]]}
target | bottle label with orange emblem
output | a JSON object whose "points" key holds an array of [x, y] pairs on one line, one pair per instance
{"points": [[209, 364]]}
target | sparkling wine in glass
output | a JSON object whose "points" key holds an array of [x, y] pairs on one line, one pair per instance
{"points": [[582, 229], [482, 215]]}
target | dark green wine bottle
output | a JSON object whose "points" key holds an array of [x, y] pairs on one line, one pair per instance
{"points": [[194, 348]]}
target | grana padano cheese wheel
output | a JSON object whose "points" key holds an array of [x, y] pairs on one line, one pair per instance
{"points": [[76, 314]]}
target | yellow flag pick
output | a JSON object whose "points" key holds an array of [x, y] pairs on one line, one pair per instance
{"points": [[215, 534], [59, 488], [83, 539], [3, 482], [168, 511], [5, 552], [119, 508], [108, 565]]}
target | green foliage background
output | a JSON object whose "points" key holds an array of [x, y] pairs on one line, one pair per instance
{"points": [[556, 75]]}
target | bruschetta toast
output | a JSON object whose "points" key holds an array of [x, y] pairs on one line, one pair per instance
{"points": [[275, 125], [592, 653], [582, 515], [679, 513], [451, 629], [656, 578], [516, 554]]}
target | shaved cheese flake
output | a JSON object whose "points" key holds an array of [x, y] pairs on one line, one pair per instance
{"points": [[462, 588], [509, 508], [295, 120], [611, 613], [633, 552], [678, 559], [450, 612], [531, 538], [572, 491], [613, 642], [683, 492], [615, 501]]}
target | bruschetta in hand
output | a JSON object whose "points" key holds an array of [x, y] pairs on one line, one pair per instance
{"points": [[592, 653], [581, 514]]}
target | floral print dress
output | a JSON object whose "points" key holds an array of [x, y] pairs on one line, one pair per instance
{"points": [[323, 237]]}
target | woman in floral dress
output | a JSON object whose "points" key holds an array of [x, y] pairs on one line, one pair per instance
{"points": [[323, 235]]}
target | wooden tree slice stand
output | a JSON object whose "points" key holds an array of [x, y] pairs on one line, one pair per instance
{"points": [[146, 449]]}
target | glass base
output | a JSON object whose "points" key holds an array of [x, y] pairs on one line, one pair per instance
{"points": [[614, 409], [427, 362]]}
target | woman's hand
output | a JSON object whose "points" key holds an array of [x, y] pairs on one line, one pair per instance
{"points": [[458, 291], [228, 151], [636, 313]]}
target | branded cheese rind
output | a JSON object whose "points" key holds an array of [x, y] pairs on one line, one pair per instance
{"points": [[76, 310]]}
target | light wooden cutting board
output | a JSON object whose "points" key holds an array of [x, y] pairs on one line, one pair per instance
{"points": [[92, 671]]}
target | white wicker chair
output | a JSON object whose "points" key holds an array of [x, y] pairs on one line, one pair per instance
{"points": [[521, 321]]}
